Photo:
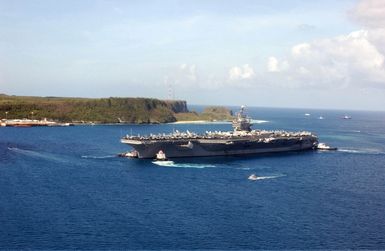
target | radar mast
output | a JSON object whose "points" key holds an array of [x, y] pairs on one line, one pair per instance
{"points": [[242, 122]]}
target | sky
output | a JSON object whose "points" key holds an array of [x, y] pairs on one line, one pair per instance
{"points": [[309, 54]]}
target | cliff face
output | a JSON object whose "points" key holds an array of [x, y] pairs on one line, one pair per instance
{"points": [[105, 110], [177, 106]]}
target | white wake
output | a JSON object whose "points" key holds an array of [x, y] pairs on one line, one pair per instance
{"points": [[34, 154], [255, 178], [361, 151], [98, 157], [170, 163]]}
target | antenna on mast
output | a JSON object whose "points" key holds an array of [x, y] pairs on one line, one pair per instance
{"points": [[170, 91]]}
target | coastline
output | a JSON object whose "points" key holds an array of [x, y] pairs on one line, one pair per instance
{"points": [[182, 122], [200, 122], [254, 121]]}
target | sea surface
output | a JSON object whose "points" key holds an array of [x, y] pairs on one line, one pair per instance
{"points": [[64, 188]]}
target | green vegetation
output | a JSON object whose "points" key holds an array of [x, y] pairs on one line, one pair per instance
{"points": [[213, 113], [104, 110]]}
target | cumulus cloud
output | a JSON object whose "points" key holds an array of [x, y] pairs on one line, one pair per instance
{"points": [[354, 59], [183, 75], [241, 72], [272, 64], [370, 13], [188, 72], [187, 76]]}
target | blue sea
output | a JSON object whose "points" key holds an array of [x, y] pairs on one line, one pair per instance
{"points": [[64, 188]]}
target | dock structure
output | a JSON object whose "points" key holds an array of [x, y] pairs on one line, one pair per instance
{"points": [[30, 123]]}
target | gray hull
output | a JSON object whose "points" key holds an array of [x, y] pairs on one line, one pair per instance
{"points": [[212, 147]]}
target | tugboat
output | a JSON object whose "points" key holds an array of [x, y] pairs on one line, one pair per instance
{"points": [[133, 154], [161, 160], [161, 156], [323, 146]]}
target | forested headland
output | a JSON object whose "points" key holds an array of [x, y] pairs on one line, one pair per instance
{"points": [[103, 110]]}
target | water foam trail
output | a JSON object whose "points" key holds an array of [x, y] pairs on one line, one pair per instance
{"points": [[98, 157], [243, 168], [361, 151], [260, 167], [204, 122], [181, 165], [34, 154], [258, 121], [266, 177]]}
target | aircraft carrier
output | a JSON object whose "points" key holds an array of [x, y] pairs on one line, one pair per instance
{"points": [[241, 141]]}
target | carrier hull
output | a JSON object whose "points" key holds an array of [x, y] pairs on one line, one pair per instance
{"points": [[215, 147], [241, 141]]}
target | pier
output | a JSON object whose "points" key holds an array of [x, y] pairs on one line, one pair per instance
{"points": [[30, 123]]}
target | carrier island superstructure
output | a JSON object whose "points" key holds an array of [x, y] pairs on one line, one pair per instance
{"points": [[241, 141]]}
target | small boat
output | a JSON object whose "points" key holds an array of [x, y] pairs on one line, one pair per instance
{"points": [[320, 117], [161, 156], [253, 177], [347, 117], [323, 146], [307, 114], [132, 154]]}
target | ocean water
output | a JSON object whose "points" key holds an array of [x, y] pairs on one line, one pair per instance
{"points": [[63, 188]]}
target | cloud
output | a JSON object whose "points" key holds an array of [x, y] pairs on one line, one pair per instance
{"points": [[241, 72], [370, 13], [183, 75], [188, 76], [356, 59], [188, 72], [347, 60], [272, 64]]}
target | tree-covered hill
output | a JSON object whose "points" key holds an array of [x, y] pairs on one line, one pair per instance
{"points": [[104, 110], [211, 113]]}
